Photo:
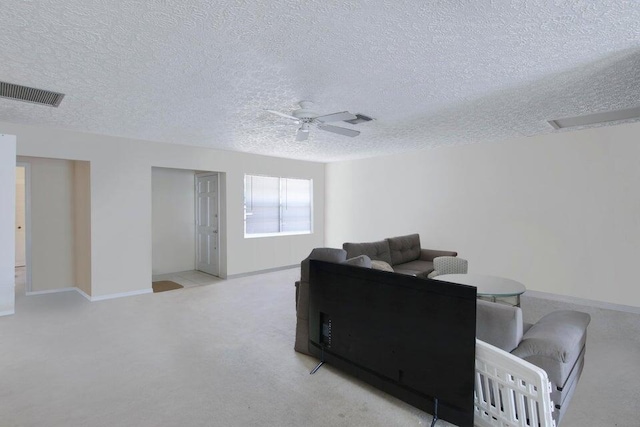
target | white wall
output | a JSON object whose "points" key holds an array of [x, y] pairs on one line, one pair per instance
{"points": [[559, 212], [173, 211], [7, 223], [121, 260]]}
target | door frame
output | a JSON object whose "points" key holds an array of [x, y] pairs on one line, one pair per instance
{"points": [[27, 220], [195, 216]]}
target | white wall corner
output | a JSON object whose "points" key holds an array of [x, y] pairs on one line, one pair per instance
{"points": [[83, 293]]}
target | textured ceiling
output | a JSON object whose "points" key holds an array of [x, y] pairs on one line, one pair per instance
{"points": [[430, 73]]}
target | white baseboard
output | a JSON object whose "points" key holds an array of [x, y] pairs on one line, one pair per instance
{"points": [[268, 270], [90, 298], [583, 301], [50, 291], [7, 312], [120, 295], [81, 292], [55, 291]]}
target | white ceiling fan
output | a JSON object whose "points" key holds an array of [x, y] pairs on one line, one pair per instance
{"points": [[305, 117]]}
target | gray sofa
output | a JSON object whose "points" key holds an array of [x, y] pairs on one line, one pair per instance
{"points": [[403, 253], [556, 343]]}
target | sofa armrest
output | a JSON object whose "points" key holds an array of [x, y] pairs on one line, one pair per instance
{"points": [[557, 344], [430, 254], [559, 336], [498, 324]]}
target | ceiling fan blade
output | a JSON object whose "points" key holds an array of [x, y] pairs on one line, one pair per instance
{"points": [[339, 130], [336, 117], [282, 114], [302, 135]]}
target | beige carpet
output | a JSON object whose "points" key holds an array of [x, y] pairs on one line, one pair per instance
{"points": [[222, 355], [165, 285]]}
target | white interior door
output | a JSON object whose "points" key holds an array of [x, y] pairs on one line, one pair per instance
{"points": [[207, 238], [20, 217]]}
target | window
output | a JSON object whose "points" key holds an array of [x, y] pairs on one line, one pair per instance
{"points": [[275, 205]]}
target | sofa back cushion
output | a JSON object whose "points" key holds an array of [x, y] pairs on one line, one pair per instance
{"points": [[359, 261], [374, 250], [404, 248], [376, 264]]}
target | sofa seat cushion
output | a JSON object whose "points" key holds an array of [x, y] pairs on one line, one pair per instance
{"points": [[414, 268], [374, 250], [555, 344], [404, 248]]}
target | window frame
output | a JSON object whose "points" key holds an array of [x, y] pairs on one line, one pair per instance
{"points": [[281, 205]]}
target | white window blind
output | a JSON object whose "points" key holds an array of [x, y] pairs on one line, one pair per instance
{"points": [[276, 205]]}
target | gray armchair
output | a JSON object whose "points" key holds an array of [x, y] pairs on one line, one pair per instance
{"points": [[448, 265]]}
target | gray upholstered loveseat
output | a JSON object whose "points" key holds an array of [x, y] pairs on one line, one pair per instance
{"points": [[403, 253]]}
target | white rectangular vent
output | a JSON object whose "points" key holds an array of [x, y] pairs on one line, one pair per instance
{"points": [[30, 94], [592, 119], [360, 118]]}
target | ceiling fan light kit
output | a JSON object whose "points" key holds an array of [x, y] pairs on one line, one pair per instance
{"points": [[306, 116]]}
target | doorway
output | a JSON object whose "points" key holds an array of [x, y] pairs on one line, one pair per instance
{"points": [[53, 226], [21, 239], [187, 225], [22, 229]]}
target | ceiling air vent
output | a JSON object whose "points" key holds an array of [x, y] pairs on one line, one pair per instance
{"points": [[360, 118], [30, 94], [597, 118]]}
